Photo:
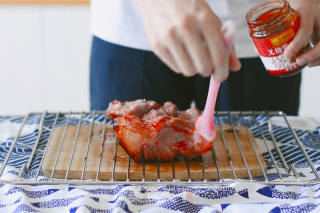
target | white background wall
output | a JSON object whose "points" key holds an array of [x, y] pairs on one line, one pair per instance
{"points": [[44, 58], [44, 61]]}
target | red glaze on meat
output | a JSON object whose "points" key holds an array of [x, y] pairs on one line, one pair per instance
{"points": [[160, 133]]}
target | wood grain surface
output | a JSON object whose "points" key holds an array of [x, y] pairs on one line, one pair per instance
{"points": [[199, 168]]}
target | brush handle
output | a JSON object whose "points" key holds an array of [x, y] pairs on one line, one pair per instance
{"points": [[205, 123], [214, 85]]}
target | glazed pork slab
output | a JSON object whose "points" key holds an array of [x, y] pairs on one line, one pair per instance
{"points": [[150, 131]]}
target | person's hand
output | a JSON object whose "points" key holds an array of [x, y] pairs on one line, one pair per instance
{"points": [[186, 35], [309, 30]]}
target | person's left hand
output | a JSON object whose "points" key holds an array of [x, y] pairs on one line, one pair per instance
{"points": [[309, 12]]}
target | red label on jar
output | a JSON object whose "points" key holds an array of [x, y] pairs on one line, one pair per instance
{"points": [[271, 50]]}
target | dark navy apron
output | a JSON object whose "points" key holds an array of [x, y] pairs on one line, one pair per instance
{"points": [[126, 74]]}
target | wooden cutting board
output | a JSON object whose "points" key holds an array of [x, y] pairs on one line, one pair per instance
{"points": [[198, 169]]}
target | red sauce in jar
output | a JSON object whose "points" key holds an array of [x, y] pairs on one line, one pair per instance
{"points": [[273, 25]]}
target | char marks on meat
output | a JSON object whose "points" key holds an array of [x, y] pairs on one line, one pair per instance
{"points": [[146, 128]]}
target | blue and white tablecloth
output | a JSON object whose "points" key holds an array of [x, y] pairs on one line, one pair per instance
{"points": [[235, 197]]}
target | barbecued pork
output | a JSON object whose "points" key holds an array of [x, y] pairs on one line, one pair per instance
{"points": [[149, 130]]}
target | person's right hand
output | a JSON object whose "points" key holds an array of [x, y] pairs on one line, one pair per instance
{"points": [[186, 35], [309, 12]]}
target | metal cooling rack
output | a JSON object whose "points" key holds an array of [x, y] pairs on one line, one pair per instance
{"points": [[300, 166]]}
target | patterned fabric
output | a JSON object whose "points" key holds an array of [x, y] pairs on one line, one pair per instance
{"points": [[235, 197]]}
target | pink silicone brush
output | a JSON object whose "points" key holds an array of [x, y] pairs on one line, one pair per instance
{"points": [[205, 122]]}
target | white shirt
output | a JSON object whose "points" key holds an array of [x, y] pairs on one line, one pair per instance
{"points": [[120, 22]]}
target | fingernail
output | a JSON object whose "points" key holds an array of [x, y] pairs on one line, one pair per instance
{"points": [[301, 61]]}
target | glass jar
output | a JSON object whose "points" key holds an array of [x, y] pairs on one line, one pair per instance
{"points": [[273, 24]]}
